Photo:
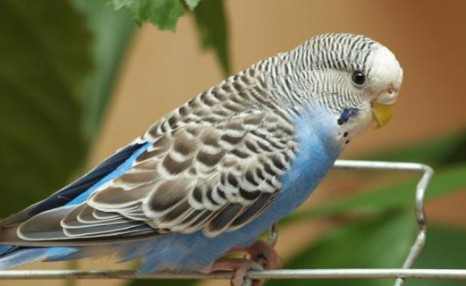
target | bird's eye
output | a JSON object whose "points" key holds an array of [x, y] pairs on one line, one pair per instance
{"points": [[358, 77]]}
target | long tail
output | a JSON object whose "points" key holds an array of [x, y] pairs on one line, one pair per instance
{"points": [[11, 256]]}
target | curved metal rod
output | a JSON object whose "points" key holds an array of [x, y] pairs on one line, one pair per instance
{"points": [[272, 235], [427, 173]]}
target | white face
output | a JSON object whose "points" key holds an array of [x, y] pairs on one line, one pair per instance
{"points": [[380, 88], [385, 77]]}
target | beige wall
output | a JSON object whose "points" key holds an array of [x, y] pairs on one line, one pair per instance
{"points": [[164, 69]]}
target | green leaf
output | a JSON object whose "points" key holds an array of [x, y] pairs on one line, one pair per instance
{"points": [[445, 248], [436, 152], [379, 242], [395, 196], [162, 13], [211, 22], [209, 15], [112, 31], [192, 4], [457, 152], [45, 58]]}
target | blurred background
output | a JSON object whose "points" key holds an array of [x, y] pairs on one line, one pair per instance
{"points": [[78, 80]]}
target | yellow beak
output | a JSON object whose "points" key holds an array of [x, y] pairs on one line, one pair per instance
{"points": [[382, 113]]}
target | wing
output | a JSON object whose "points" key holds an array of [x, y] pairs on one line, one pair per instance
{"points": [[210, 178], [214, 166]]}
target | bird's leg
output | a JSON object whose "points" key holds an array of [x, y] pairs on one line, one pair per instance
{"points": [[261, 256], [260, 250]]}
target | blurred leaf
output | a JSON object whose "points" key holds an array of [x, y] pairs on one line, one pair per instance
{"points": [[162, 13], [209, 15], [445, 248], [192, 4], [381, 241], [44, 56], [457, 152], [436, 152], [211, 22], [392, 197], [112, 32]]}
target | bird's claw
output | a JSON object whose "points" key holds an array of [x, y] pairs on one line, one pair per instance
{"points": [[260, 256], [240, 266], [263, 253]]}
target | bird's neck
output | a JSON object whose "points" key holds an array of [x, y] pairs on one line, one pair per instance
{"points": [[318, 148]]}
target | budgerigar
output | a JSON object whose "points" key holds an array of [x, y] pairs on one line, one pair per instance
{"points": [[215, 173]]}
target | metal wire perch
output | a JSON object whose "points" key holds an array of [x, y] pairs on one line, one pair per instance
{"points": [[399, 274], [427, 173]]}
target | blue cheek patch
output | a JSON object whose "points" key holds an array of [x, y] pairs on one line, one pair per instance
{"points": [[346, 115]]}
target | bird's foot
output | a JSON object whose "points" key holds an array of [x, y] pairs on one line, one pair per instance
{"points": [[263, 253], [241, 266], [260, 256]]}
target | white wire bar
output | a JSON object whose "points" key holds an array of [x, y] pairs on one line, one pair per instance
{"points": [[253, 274], [399, 274]]}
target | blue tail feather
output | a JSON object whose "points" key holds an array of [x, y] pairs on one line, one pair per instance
{"points": [[20, 256], [11, 256], [7, 249]]}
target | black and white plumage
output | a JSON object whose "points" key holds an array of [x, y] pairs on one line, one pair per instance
{"points": [[221, 168]]}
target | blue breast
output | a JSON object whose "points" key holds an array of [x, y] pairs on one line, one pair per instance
{"points": [[317, 153]]}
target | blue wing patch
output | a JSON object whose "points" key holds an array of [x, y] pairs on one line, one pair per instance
{"points": [[107, 170], [80, 189], [7, 249]]}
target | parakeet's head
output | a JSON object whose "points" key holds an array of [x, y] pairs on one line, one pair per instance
{"points": [[354, 77]]}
